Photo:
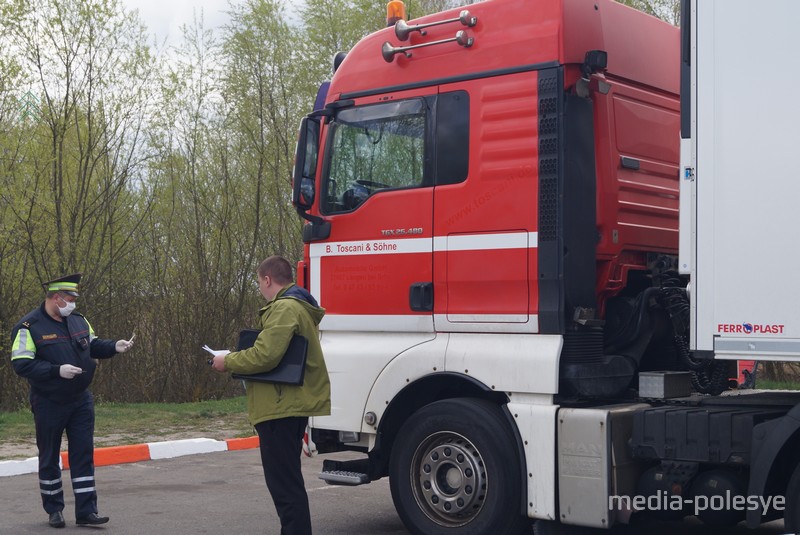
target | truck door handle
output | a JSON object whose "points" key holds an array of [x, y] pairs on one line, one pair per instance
{"points": [[420, 297]]}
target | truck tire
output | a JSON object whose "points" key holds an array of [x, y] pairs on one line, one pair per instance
{"points": [[791, 515], [455, 470]]}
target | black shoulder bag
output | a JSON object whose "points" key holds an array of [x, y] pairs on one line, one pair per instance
{"points": [[289, 371]]}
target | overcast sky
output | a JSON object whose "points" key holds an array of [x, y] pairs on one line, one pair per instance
{"points": [[165, 17]]}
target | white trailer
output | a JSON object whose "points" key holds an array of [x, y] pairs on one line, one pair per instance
{"points": [[740, 179]]}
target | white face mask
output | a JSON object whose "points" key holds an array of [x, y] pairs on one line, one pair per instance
{"points": [[67, 309]]}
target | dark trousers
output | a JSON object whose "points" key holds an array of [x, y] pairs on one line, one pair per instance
{"points": [[281, 444], [77, 419]]}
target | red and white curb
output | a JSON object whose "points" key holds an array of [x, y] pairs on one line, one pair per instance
{"points": [[138, 452]]}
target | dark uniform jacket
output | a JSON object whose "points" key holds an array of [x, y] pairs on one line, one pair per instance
{"points": [[41, 345]]}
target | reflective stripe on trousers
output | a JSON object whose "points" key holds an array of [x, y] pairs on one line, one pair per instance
{"points": [[77, 419]]}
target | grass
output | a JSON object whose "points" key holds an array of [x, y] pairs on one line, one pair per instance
{"points": [[128, 423], [767, 384]]}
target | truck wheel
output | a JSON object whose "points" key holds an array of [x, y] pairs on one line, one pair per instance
{"points": [[791, 516], [454, 469]]}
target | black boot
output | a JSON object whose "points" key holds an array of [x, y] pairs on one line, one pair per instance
{"points": [[92, 519], [56, 520]]}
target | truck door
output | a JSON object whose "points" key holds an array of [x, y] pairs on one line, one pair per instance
{"points": [[374, 272], [486, 208]]}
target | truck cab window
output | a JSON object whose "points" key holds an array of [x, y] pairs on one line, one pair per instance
{"points": [[374, 148]]}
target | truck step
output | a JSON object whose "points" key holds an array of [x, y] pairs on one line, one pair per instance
{"points": [[343, 477], [355, 472]]}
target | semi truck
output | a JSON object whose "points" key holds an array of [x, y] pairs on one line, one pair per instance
{"points": [[544, 231]]}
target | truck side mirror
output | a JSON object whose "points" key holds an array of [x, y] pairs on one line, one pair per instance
{"points": [[305, 163]]}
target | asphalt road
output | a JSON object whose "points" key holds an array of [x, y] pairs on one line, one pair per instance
{"points": [[224, 493], [210, 493]]}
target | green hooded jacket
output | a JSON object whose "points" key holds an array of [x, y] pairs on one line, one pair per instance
{"points": [[281, 318]]}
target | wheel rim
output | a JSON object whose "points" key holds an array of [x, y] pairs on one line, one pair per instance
{"points": [[449, 479]]}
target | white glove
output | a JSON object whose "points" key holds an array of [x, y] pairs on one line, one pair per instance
{"points": [[123, 345], [68, 371]]}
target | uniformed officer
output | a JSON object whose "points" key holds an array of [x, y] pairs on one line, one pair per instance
{"points": [[54, 349]]}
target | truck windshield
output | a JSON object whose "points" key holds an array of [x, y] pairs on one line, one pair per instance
{"points": [[374, 148]]}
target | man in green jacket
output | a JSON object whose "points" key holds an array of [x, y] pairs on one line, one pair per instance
{"points": [[280, 412]]}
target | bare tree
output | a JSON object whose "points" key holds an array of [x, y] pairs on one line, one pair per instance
{"points": [[668, 10], [69, 167]]}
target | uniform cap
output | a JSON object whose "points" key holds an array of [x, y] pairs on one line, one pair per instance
{"points": [[67, 284]]}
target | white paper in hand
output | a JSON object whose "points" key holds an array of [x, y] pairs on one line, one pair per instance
{"points": [[216, 352]]}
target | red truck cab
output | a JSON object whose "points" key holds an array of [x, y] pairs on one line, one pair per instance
{"points": [[471, 188]]}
